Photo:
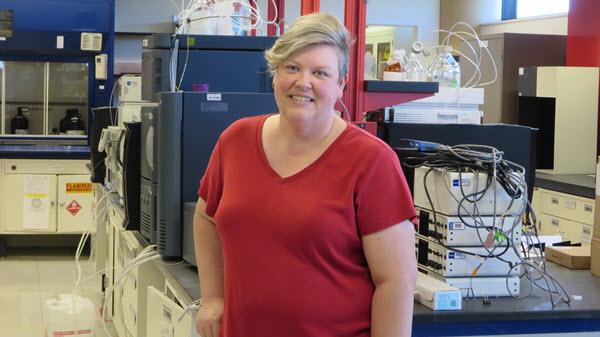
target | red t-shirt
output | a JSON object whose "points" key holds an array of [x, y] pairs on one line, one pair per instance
{"points": [[293, 258]]}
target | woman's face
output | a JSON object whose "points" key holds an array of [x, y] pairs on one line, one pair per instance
{"points": [[308, 84]]}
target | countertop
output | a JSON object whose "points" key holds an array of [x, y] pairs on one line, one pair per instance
{"points": [[583, 185], [495, 318]]}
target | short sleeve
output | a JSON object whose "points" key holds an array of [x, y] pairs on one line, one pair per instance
{"points": [[211, 184], [383, 198]]}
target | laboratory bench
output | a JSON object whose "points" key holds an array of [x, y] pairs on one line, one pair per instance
{"points": [[176, 285], [533, 314]]}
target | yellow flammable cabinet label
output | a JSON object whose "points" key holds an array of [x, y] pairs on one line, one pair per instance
{"points": [[79, 187]]}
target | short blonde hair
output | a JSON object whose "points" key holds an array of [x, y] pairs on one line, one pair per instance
{"points": [[311, 30]]}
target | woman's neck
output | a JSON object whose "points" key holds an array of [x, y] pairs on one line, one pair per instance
{"points": [[298, 137]]}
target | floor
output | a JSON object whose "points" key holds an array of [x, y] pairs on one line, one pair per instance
{"points": [[28, 277]]}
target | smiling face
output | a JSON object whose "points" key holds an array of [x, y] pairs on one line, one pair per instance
{"points": [[307, 84]]}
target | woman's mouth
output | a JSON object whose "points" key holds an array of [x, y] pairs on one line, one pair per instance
{"points": [[301, 99]]}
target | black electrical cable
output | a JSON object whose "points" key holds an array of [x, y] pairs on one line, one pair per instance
{"points": [[118, 144], [437, 235], [477, 159]]}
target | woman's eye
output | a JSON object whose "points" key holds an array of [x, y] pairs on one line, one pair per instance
{"points": [[291, 68], [322, 74]]}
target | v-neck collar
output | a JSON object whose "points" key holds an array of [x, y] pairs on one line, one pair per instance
{"points": [[306, 169]]}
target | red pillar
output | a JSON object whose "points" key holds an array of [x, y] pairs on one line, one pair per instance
{"points": [[583, 38], [354, 19], [309, 6]]}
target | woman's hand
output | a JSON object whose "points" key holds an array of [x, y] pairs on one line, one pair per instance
{"points": [[209, 316]]}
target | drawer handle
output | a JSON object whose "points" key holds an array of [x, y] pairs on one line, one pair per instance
{"points": [[588, 208], [570, 204], [587, 231], [554, 222], [554, 200]]}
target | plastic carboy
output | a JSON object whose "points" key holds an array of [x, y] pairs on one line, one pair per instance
{"points": [[395, 66], [445, 69]]}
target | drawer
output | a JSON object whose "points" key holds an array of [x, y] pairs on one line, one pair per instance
{"points": [[568, 207], [33, 166], [165, 313], [573, 231]]}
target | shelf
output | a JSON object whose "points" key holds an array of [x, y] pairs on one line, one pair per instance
{"points": [[401, 87], [45, 151], [32, 141], [381, 94]]}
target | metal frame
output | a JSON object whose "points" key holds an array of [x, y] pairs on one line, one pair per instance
{"points": [[355, 99], [46, 97], [3, 98], [509, 9], [280, 6]]}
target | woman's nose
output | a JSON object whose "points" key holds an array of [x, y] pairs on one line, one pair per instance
{"points": [[303, 79]]}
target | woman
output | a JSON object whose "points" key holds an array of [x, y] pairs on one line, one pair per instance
{"points": [[302, 225]]}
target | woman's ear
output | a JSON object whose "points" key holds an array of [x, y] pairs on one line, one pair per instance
{"points": [[342, 85]]}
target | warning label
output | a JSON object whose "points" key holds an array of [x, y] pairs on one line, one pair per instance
{"points": [[73, 207], [79, 187]]}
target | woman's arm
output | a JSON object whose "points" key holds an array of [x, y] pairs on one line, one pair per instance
{"points": [[390, 254], [209, 257]]}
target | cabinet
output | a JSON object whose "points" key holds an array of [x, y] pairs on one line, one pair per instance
{"points": [[100, 223], [562, 102], [510, 51], [44, 93], [164, 312], [43, 196], [130, 295], [569, 216], [113, 266]]}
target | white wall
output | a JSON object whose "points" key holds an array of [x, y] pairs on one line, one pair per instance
{"points": [[333, 7], [148, 16], [555, 25], [292, 11], [424, 14], [473, 12]]}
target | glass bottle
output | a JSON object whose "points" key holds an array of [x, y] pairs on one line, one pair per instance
{"points": [[20, 124], [414, 70], [445, 69]]}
